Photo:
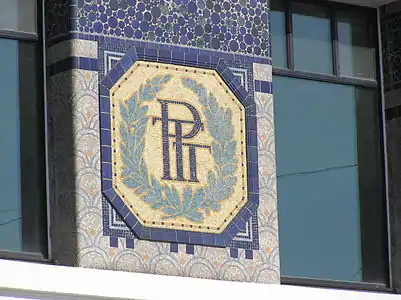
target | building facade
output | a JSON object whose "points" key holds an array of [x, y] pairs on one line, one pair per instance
{"points": [[164, 142]]}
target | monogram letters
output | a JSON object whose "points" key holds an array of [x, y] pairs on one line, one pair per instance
{"points": [[179, 140]]}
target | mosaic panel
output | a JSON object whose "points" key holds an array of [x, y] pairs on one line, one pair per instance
{"points": [[81, 210], [110, 54], [238, 26], [200, 216]]}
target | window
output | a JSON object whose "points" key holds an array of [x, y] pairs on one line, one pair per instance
{"points": [[22, 158], [330, 166]]}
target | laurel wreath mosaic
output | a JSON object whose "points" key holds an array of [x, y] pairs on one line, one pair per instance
{"points": [[194, 203], [237, 25]]}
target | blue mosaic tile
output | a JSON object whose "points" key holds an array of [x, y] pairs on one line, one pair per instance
{"points": [[190, 249], [106, 154], [234, 252], [69, 63], [129, 243], [113, 242], [229, 26], [174, 247], [106, 184], [263, 86], [248, 254]]}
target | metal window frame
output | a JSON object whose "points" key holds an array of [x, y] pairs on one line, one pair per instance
{"points": [[290, 71], [38, 39], [331, 8]]}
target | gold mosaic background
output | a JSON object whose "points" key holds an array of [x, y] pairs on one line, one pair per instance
{"points": [[174, 90]]}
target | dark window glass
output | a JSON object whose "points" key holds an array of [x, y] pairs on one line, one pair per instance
{"points": [[18, 15], [311, 39], [278, 34], [21, 154], [355, 48], [329, 181]]}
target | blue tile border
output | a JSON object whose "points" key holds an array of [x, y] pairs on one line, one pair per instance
{"points": [[194, 59], [263, 86], [83, 63]]}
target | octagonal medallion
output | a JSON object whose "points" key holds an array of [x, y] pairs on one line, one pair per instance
{"points": [[179, 153]]}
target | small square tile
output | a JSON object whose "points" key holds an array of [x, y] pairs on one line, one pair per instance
{"points": [[117, 203], [104, 96], [106, 171], [106, 154], [251, 138], [165, 56], [182, 237], [195, 238], [129, 243], [124, 211], [105, 137], [266, 87], [251, 110], [110, 194], [126, 62], [209, 239], [248, 254], [250, 122], [105, 121], [151, 54], [190, 249], [106, 184], [131, 220], [107, 82], [174, 247], [234, 252], [113, 242], [177, 57]]}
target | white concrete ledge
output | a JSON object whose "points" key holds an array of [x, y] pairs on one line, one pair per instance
{"points": [[40, 279]]}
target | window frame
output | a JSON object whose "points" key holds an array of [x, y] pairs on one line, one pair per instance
{"points": [[38, 39], [377, 83], [331, 8]]}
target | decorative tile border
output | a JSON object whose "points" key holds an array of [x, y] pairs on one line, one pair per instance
{"points": [[190, 60], [111, 51], [84, 63]]}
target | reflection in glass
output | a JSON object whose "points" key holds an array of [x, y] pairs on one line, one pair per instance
{"points": [[312, 39], [356, 52], [18, 15], [329, 180], [278, 34], [21, 158]]}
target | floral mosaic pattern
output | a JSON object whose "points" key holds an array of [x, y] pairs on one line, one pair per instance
{"points": [[194, 204], [236, 25]]}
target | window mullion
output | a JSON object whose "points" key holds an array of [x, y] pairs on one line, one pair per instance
{"points": [[288, 29], [334, 40]]}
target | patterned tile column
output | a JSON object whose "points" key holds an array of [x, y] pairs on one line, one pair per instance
{"points": [[91, 44]]}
